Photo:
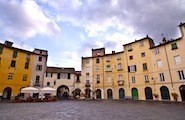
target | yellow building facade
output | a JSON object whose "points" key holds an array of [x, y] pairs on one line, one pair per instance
{"points": [[15, 70], [142, 71]]}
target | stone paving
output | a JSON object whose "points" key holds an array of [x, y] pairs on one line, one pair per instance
{"points": [[92, 110]]}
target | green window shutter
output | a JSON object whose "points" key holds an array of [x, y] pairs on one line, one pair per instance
{"points": [[1, 49], [15, 53]]}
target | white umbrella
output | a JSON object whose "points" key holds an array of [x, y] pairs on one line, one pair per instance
{"points": [[48, 90], [29, 90]]}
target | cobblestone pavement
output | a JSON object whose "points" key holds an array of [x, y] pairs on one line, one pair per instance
{"points": [[92, 110]]}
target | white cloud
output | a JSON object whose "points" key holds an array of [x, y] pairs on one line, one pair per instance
{"points": [[25, 19]]}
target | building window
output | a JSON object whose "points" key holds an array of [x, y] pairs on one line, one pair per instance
{"points": [[1, 49], [97, 60], [58, 75], [131, 57], [133, 79], [157, 51], [97, 69], [26, 65], [87, 82], [108, 59], [13, 63], [119, 66], [24, 77], [39, 67], [54, 83], [130, 47], [181, 75], [132, 68], [40, 58], [108, 68], [10, 76], [15, 53], [37, 78], [87, 74], [68, 76], [145, 66], [48, 83], [109, 80], [0, 62], [159, 63], [120, 77], [161, 75], [87, 61], [177, 60], [141, 43], [98, 78], [174, 46], [146, 79], [143, 54], [119, 57], [49, 74]]}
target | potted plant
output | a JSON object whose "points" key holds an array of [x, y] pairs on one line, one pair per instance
{"points": [[175, 96], [156, 96]]}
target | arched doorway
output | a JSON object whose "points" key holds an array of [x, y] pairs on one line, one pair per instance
{"points": [[164, 93], [98, 94], [121, 93], [63, 92], [148, 93], [109, 94], [7, 93], [88, 93], [182, 92], [76, 93], [135, 94]]}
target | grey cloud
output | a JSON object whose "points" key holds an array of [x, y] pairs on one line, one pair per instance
{"points": [[146, 17]]}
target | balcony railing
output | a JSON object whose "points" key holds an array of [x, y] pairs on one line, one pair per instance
{"points": [[37, 84], [87, 85]]}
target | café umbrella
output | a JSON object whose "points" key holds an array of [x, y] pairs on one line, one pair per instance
{"points": [[48, 90], [29, 90]]}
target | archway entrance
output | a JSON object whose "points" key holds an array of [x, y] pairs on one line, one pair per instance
{"points": [[7, 93], [182, 92], [135, 94], [148, 93], [164, 93], [98, 94], [76, 93], [121, 93], [63, 92], [88, 93], [109, 94]]}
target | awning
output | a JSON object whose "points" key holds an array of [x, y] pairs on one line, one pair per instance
{"points": [[48, 90], [29, 90]]}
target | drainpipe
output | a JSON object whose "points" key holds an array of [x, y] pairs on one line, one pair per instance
{"points": [[168, 65], [127, 68]]}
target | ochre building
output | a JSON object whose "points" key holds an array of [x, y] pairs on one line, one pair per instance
{"points": [[143, 71]]}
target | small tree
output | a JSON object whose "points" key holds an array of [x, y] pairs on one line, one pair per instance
{"points": [[175, 96]]}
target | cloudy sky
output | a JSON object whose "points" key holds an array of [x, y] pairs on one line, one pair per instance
{"points": [[69, 29]]}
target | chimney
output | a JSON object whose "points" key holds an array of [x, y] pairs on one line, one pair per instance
{"points": [[164, 40], [182, 28], [8, 43]]}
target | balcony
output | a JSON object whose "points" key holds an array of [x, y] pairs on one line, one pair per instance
{"points": [[147, 81], [87, 85], [120, 82], [77, 81], [37, 84]]}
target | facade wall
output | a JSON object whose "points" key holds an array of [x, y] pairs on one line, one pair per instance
{"points": [[146, 67], [40, 59], [16, 82]]}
